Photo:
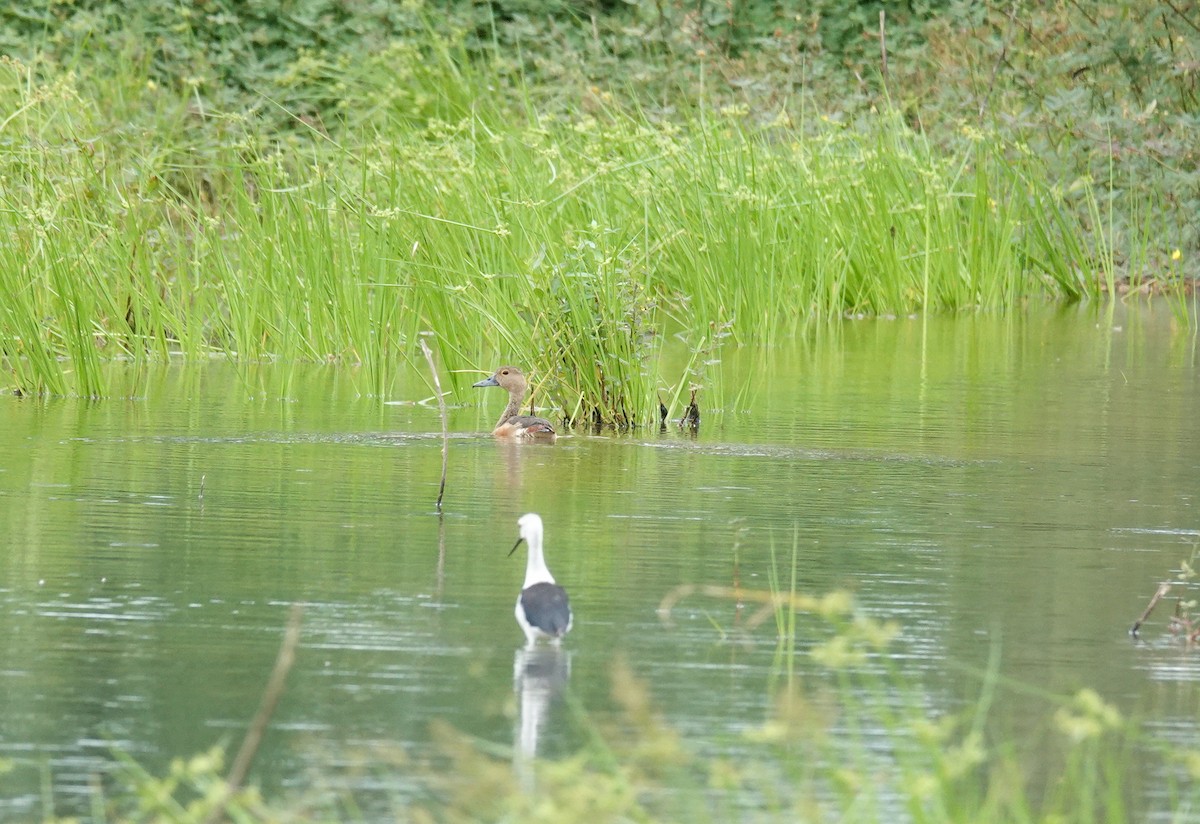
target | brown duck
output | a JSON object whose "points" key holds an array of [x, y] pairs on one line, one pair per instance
{"points": [[512, 424]]}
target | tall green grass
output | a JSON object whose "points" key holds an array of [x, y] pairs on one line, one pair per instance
{"points": [[569, 245]]}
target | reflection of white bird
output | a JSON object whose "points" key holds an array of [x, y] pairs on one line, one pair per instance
{"points": [[543, 610], [540, 674]]}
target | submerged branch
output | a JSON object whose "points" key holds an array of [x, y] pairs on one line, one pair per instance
{"points": [[258, 727], [691, 415], [1163, 589], [770, 600]]}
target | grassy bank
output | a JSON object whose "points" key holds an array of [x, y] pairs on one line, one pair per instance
{"points": [[145, 225]]}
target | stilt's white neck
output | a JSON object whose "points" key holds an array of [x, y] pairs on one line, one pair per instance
{"points": [[536, 571]]}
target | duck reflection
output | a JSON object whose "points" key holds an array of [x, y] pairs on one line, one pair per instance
{"points": [[540, 674]]}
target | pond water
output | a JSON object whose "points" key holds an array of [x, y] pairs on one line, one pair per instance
{"points": [[999, 486]]}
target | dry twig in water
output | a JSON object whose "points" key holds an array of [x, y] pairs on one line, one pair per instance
{"points": [[770, 601], [258, 727], [1163, 589]]}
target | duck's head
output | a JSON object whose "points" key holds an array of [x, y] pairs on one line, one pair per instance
{"points": [[508, 377]]}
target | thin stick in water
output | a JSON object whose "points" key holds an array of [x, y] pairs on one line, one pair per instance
{"points": [[441, 562], [258, 727], [437, 385], [1163, 589]]}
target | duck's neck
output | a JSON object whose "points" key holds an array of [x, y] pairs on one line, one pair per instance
{"points": [[515, 396], [536, 571]]}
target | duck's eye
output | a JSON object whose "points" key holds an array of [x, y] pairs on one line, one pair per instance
{"points": [[505, 372]]}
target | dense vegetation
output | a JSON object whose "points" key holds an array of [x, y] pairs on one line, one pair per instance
{"points": [[564, 183]]}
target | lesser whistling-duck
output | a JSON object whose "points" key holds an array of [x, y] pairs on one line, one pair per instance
{"points": [[512, 424], [543, 610]]}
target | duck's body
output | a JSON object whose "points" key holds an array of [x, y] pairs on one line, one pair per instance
{"points": [[524, 426], [543, 609], [512, 424]]}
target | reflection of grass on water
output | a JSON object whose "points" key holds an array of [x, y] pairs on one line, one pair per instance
{"points": [[847, 737]]}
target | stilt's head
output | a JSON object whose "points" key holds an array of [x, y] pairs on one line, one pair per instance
{"points": [[530, 529], [535, 565]]}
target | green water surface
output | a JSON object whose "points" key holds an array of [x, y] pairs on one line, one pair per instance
{"points": [[997, 485]]}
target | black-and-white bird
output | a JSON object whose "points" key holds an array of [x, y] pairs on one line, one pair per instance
{"points": [[543, 610]]}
